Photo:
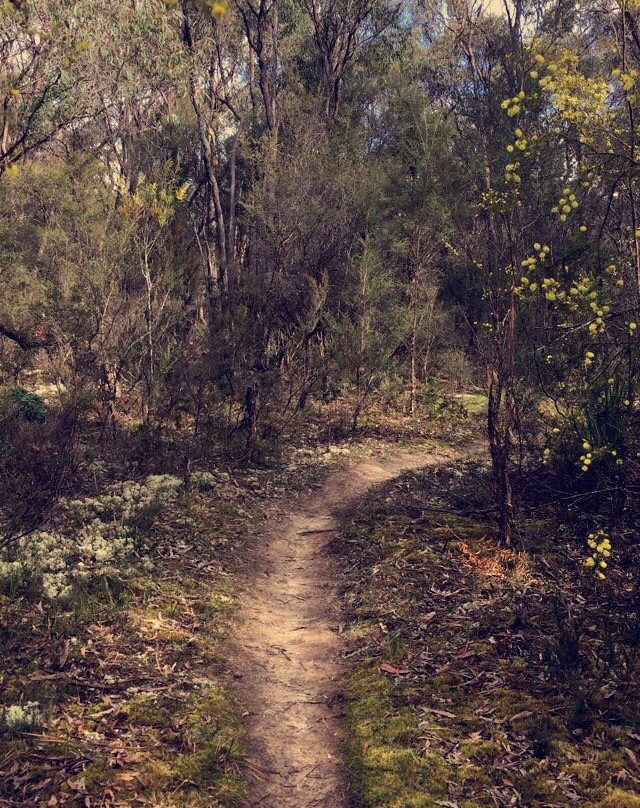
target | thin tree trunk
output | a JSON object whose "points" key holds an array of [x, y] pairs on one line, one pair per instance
{"points": [[414, 348]]}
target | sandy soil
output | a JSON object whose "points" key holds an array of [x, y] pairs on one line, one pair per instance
{"points": [[287, 647]]}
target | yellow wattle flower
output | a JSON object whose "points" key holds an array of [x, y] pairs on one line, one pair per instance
{"points": [[183, 190], [219, 9]]}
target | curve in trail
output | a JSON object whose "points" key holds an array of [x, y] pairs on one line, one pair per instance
{"points": [[286, 647]]}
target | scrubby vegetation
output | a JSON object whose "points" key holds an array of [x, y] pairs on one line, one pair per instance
{"points": [[111, 672], [242, 242]]}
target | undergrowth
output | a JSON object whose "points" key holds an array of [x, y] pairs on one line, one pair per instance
{"points": [[118, 693], [114, 689], [481, 677], [128, 675]]}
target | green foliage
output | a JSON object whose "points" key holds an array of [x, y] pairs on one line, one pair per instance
{"points": [[30, 406], [440, 405]]}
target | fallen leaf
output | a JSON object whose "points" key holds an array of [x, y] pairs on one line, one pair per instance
{"points": [[520, 716], [64, 654], [387, 667], [442, 713]]}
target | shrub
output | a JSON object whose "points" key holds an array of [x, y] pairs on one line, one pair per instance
{"points": [[29, 405]]}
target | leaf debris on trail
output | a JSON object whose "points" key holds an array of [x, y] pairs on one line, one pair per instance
{"points": [[287, 648]]}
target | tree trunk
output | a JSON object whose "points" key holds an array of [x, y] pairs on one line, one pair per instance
{"points": [[251, 416]]}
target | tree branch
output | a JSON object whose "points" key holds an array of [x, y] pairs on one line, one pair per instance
{"points": [[26, 342]]}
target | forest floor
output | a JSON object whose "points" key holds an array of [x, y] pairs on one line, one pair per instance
{"points": [[481, 676], [340, 628], [132, 677]]}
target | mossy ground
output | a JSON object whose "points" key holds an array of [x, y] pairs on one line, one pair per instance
{"points": [[131, 679], [493, 690]]}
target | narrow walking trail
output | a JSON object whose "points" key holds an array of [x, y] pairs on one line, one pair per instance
{"points": [[286, 647]]}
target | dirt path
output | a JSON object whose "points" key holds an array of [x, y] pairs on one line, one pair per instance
{"points": [[287, 648]]}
